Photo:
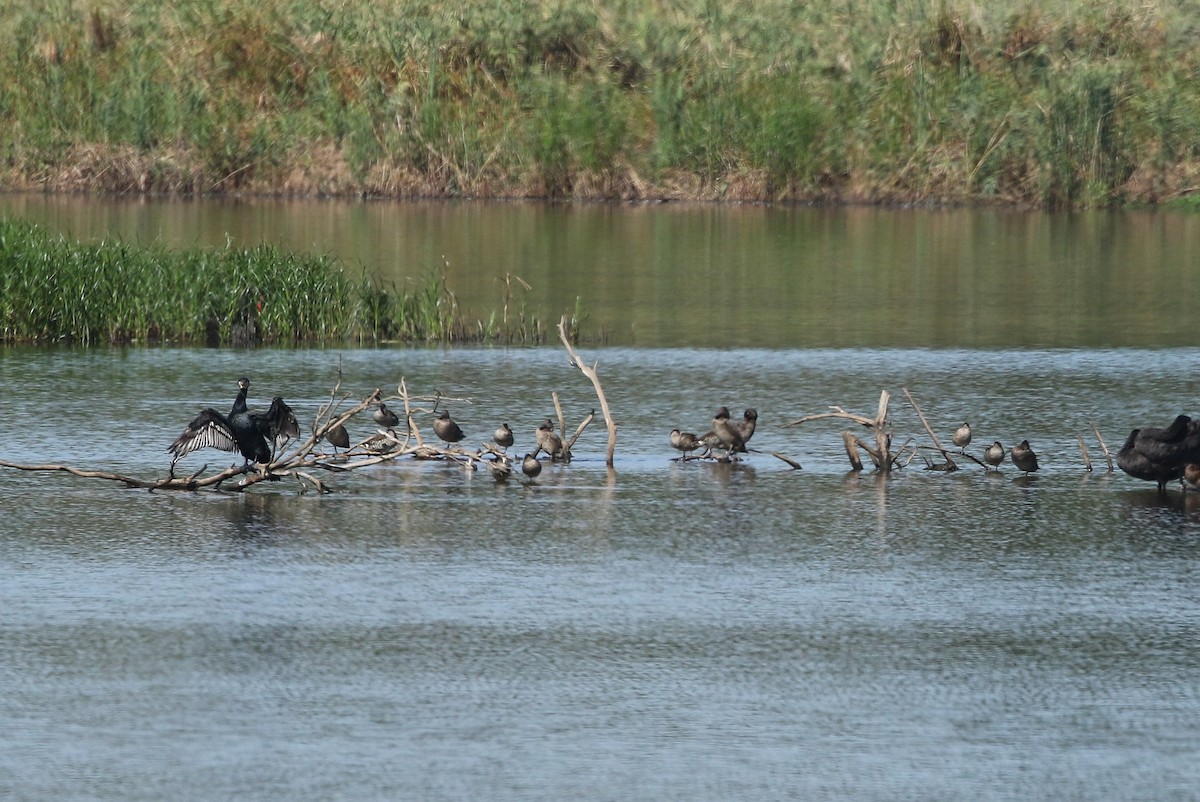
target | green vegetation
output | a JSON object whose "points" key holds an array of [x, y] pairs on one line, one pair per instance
{"points": [[1062, 104], [53, 289]]}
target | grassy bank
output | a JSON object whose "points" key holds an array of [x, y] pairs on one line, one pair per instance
{"points": [[56, 290], [1061, 104]]}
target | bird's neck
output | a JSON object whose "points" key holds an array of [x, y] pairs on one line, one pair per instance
{"points": [[239, 403]]}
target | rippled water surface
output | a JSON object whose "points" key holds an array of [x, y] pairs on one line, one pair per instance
{"points": [[660, 631]]}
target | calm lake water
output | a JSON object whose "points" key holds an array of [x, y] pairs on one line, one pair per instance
{"points": [[663, 630], [741, 276]]}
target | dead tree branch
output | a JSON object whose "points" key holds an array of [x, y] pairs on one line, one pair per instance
{"points": [[881, 454], [1103, 446], [590, 373], [950, 465]]}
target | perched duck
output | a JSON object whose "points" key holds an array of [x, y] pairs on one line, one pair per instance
{"points": [[530, 466], [747, 425], [385, 417], [709, 441], [1023, 457], [548, 441], [962, 436], [338, 437], [252, 434], [727, 432], [503, 436], [994, 454], [684, 441], [447, 429]]}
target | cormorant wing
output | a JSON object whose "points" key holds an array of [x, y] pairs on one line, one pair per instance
{"points": [[278, 424], [210, 429]]}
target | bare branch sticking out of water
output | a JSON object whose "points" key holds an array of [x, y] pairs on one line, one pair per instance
{"points": [[795, 465], [881, 454], [852, 444], [950, 464], [1103, 446], [590, 373], [562, 427]]}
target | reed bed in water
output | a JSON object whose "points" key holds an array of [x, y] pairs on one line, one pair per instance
{"points": [[53, 289], [1061, 104]]}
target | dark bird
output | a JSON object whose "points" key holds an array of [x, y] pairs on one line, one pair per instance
{"points": [[684, 441], [503, 436], [548, 441], [747, 425], [338, 437], [727, 432], [962, 436], [385, 417], [1161, 455], [1178, 444], [252, 434], [1023, 457], [446, 429], [1135, 463], [530, 466], [994, 454]]}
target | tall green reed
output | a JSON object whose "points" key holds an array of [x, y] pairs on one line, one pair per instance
{"points": [[53, 289]]}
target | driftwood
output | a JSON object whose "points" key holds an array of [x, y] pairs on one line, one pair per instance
{"points": [[590, 373], [881, 453], [949, 465], [783, 457], [1103, 446]]}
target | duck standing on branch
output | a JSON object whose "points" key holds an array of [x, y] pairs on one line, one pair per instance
{"points": [[503, 436], [548, 441], [708, 441], [727, 432], [962, 436], [684, 441], [338, 437], [530, 466], [994, 454], [446, 429], [1023, 457], [385, 417], [241, 430], [747, 425]]}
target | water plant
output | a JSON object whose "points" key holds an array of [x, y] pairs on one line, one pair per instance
{"points": [[53, 289]]}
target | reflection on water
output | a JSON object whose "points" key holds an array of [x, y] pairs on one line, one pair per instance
{"points": [[663, 630], [742, 276]]}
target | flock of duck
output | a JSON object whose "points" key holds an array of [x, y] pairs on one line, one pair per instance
{"points": [[731, 435], [1158, 455], [258, 436]]}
